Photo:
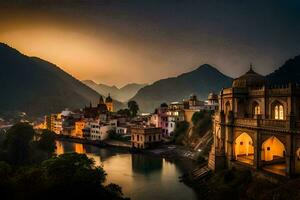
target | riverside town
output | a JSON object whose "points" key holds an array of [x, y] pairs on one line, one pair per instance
{"points": [[150, 100]]}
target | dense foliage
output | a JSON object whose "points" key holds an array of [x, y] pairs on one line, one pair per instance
{"points": [[125, 112], [29, 169], [180, 132], [133, 108], [201, 122]]}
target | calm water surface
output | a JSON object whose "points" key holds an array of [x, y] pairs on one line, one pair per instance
{"points": [[142, 177]]}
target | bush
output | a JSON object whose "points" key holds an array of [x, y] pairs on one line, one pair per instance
{"points": [[180, 132], [197, 116]]}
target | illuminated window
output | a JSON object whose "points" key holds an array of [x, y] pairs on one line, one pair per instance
{"points": [[278, 112], [257, 110]]}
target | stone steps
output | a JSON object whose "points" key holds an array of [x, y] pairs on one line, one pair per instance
{"points": [[200, 173]]}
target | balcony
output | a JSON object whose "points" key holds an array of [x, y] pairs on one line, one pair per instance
{"points": [[263, 123], [273, 123]]}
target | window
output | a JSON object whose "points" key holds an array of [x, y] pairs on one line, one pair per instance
{"points": [[278, 112], [227, 107], [257, 110]]}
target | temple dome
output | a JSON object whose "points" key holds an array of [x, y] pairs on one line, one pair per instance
{"points": [[250, 79]]}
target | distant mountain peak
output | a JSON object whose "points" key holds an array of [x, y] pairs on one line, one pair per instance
{"points": [[90, 82], [201, 81], [207, 67], [121, 94]]}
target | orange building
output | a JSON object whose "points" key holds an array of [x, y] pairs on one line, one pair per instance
{"points": [[109, 103], [79, 126]]}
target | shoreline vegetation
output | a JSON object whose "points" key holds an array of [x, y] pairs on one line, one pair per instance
{"points": [[30, 169]]}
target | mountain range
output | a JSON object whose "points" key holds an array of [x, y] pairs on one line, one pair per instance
{"points": [[37, 87], [202, 81], [122, 94]]}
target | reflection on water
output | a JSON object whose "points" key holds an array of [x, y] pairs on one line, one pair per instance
{"points": [[140, 176], [145, 164]]}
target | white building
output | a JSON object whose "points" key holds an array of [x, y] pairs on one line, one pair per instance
{"points": [[94, 130], [122, 130], [175, 115]]}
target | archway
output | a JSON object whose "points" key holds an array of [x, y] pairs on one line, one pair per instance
{"points": [[273, 156], [272, 149], [244, 150]]}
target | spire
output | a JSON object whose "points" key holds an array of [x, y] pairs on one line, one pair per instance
{"points": [[250, 69], [108, 99], [101, 101]]}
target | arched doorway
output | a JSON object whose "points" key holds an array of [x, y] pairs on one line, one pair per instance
{"points": [[273, 156], [272, 149], [244, 150]]}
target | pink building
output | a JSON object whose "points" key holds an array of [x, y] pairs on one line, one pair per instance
{"points": [[160, 119]]}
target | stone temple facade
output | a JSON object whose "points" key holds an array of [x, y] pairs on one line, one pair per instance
{"points": [[257, 126]]}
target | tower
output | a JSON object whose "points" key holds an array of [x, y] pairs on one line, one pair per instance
{"points": [[101, 101], [109, 103]]}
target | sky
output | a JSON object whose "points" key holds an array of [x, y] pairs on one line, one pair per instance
{"points": [[117, 42]]}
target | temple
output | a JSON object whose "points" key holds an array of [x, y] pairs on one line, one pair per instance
{"points": [[257, 126]]}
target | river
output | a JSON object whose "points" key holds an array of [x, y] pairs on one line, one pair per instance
{"points": [[142, 177]]}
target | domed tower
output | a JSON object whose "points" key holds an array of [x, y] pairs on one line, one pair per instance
{"points": [[109, 103], [250, 79]]}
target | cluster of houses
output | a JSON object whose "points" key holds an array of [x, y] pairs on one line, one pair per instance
{"points": [[166, 116], [97, 122], [91, 122]]}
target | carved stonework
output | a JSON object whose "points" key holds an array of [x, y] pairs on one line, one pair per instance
{"points": [[266, 117]]}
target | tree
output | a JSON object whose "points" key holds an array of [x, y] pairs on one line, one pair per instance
{"points": [[124, 112], [69, 176], [133, 108], [18, 143], [46, 142], [180, 131], [75, 168], [163, 105], [197, 116]]}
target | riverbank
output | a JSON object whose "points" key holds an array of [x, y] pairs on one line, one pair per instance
{"points": [[101, 144], [172, 153]]}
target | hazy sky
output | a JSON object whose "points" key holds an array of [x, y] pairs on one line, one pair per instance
{"points": [[123, 41]]}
